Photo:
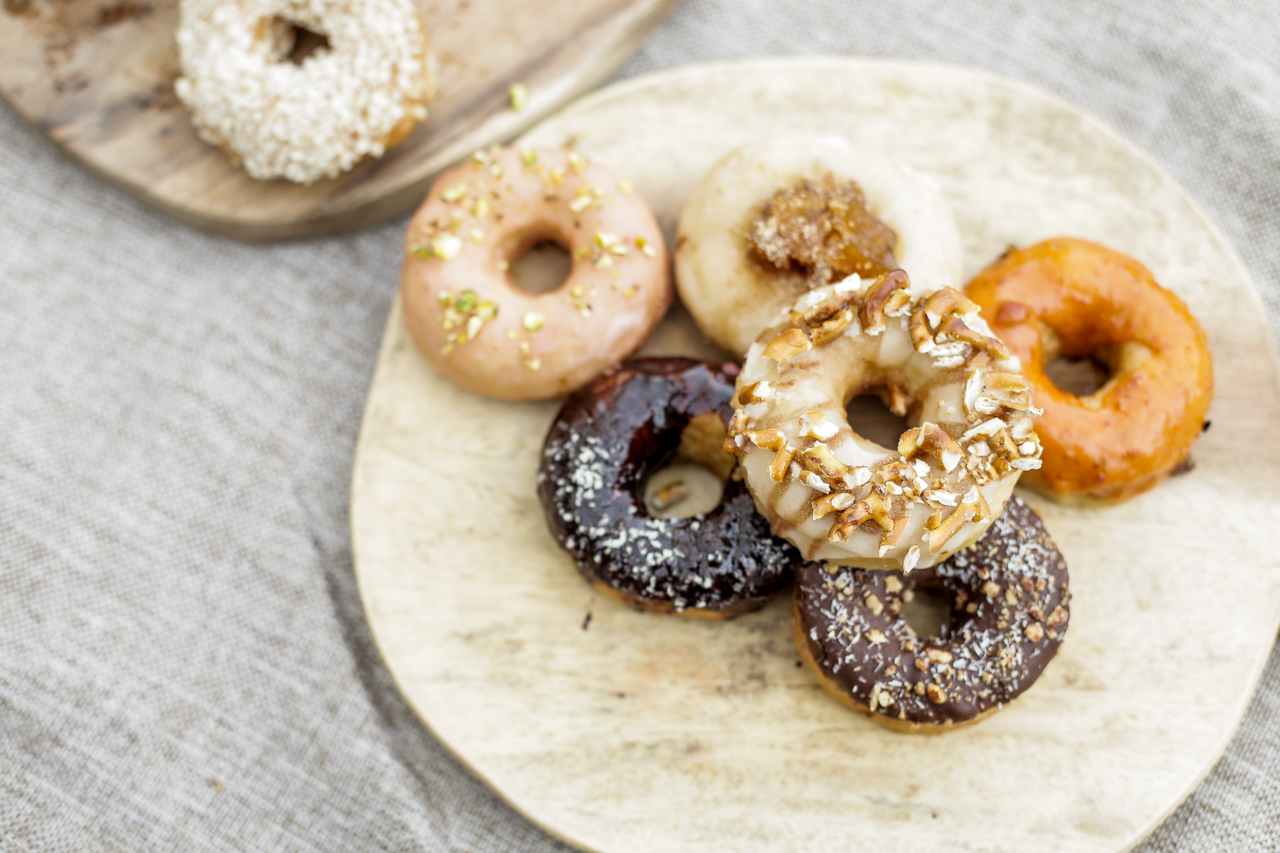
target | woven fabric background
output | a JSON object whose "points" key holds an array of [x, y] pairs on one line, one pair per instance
{"points": [[184, 663]]}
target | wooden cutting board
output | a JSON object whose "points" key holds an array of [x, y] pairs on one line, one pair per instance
{"points": [[622, 731], [97, 77]]}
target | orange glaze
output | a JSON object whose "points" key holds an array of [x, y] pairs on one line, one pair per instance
{"points": [[1135, 430]]}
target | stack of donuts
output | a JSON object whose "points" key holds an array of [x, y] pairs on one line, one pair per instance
{"points": [[828, 273]]}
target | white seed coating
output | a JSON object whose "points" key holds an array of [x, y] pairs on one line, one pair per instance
{"points": [[312, 120]]}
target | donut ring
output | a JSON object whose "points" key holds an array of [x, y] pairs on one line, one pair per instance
{"points": [[1134, 431], [839, 497], [471, 320], [316, 119], [732, 295], [598, 454], [1009, 617]]}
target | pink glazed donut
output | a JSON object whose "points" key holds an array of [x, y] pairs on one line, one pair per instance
{"points": [[471, 320]]}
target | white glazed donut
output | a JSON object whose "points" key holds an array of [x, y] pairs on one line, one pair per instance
{"points": [[733, 294], [841, 498], [311, 120], [464, 309]]}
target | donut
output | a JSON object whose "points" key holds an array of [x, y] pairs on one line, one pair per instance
{"points": [[604, 444], [1009, 616], [311, 120], [776, 218], [837, 496], [466, 313], [1084, 300]]}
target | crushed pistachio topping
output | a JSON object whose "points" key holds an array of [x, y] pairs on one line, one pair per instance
{"points": [[579, 299], [577, 162], [454, 193], [518, 94], [529, 156], [533, 321], [463, 317], [625, 187], [443, 246], [940, 466]]}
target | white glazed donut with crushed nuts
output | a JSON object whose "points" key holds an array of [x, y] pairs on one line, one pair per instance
{"points": [[733, 293], [312, 120], [473, 322], [837, 496]]}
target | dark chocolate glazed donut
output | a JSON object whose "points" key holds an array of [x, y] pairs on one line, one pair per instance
{"points": [[1009, 615], [605, 442]]}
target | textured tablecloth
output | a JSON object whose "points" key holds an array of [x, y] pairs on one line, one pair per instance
{"points": [[184, 664]]}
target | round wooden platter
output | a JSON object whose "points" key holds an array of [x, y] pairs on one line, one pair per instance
{"points": [[97, 77], [622, 731]]}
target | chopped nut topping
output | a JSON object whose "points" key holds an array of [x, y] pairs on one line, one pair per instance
{"points": [[769, 439], [820, 460], [874, 604], [887, 294], [950, 526], [518, 94], [786, 345], [1035, 632], [890, 538], [935, 693], [454, 193], [827, 504]]}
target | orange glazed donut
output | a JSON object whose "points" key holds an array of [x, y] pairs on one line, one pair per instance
{"points": [[1082, 300], [468, 316]]}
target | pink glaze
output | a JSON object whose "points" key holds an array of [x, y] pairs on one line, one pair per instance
{"points": [[477, 220]]}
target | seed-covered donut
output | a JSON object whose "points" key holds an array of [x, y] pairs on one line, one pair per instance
{"points": [[1084, 300], [601, 449], [358, 97], [1009, 615], [780, 217], [467, 314], [839, 497]]}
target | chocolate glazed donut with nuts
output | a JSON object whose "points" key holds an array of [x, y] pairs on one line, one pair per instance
{"points": [[606, 441], [1009, 615]]}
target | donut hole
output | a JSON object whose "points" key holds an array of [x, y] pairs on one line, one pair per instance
{"points": [[691, 481], [541, 267], [927, 612], [1089, 375], [293, 42], [682, 489], [872, 419]]}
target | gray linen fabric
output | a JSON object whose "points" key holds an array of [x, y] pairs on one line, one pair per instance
{"points": [[183, 660]]}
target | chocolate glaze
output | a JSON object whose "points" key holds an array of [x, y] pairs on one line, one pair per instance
{"points": [[606, 441], [1013, 578]]}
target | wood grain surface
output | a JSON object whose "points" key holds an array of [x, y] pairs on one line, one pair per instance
{"points": [[97, 77], [621, 731]]}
